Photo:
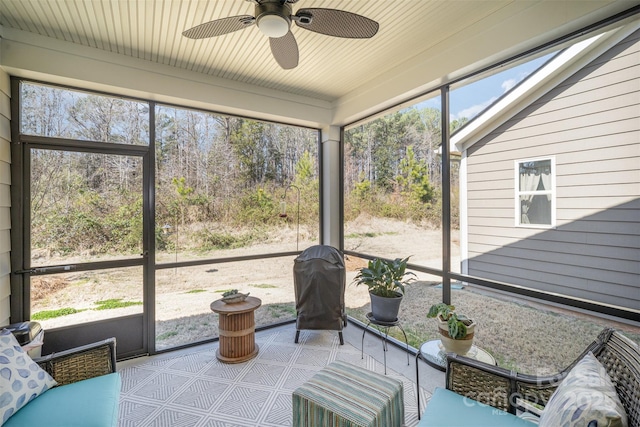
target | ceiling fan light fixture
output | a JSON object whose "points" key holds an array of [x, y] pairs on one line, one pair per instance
{"points": [[273, 26], [273, 18]]}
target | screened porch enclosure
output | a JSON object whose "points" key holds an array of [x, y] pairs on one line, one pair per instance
{"points": [[141, 193], [101, 251]]}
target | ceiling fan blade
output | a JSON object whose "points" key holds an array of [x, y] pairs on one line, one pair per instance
{"points": [[336, 23], [219, 27], [285, 51]]}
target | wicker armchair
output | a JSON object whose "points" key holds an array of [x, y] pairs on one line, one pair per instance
{"points": [[81, 363], [512, 391], [87, 394]]}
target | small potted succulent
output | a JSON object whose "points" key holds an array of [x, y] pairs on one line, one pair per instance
{"points": [[386, 281], [233, 296], [456, 330]]}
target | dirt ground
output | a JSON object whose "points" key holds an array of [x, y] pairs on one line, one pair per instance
{"points": [[270, 279], [519, 335]]}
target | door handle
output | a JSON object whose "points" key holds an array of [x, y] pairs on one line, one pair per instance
{"points": [[52, 269]]}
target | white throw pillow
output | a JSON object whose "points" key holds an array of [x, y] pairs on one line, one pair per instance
{"points": [[21, 379], [585, 398]]}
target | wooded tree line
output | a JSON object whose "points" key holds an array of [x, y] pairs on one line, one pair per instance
{"points": [[232, 171], [392, 166], [210, 168]]}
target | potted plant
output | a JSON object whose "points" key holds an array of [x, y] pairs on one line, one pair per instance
{"points": [[232, 296], [456, 330], [386, 281]]}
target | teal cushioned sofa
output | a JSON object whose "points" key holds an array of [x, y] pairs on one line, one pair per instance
{"points": [[479, 395], [87, 394], [447, 408]]}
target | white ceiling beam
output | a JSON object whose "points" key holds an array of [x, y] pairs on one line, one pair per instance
{"points": [[36, 57]]}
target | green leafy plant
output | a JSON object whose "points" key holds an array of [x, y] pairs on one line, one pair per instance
{"points": [[229, 293], [456, 323], [385, 278], [109, 304], [51, 314]]}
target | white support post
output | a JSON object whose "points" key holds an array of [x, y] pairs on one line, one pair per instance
{"points": [[331, 185]]}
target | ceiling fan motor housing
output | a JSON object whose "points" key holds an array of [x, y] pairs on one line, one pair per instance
{"points": [[271, 18]]}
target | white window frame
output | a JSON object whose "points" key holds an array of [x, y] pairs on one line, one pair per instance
{"points": [[518, 193]]}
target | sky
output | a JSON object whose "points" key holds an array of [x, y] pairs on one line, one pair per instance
{"points": [[468, 101]]}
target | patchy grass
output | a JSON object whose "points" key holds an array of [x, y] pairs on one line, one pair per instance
{"points": [[196, 291], [369, 234], [109, 304], [262, 286], [166, 335], [278, 311], [51, 314]]}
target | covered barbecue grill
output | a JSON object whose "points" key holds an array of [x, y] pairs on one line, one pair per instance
{"points": [[319, 281]]}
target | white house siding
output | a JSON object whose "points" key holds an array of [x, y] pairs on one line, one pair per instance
{"points": [[590, 124], [5, 198]]}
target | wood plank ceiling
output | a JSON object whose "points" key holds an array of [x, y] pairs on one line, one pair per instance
{"points": [[329, 67]]}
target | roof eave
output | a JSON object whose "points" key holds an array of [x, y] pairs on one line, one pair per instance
{"points": [[555, 71]]}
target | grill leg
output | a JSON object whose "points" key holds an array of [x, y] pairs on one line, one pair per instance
{"points": [[341, 338], [297, 336]]}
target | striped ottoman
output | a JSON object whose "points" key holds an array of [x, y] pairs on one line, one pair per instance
{"points": [[342, 395]]}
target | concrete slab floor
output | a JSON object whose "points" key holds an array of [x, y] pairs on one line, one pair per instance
{"points": [[430, 378]]}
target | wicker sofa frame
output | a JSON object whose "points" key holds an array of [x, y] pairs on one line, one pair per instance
{"points": [[81, 363], [513, 392]]}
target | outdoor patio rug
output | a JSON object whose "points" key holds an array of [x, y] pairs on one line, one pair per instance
{"points": [[195, 389]]}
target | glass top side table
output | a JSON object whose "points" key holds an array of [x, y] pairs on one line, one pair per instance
{"points": [[434, 354]]}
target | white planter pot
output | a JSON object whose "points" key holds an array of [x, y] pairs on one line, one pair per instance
{"points": [[461, 346]]}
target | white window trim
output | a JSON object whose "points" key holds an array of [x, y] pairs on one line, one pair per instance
{"points": [[516, 186]]}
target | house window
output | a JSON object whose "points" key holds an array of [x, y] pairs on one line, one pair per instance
{"points": [[535, 192]]}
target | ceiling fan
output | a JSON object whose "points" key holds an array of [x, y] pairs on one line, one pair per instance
{"points": [[274, 18]]}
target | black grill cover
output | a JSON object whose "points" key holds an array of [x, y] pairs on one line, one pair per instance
{"points": [[319, 280]]}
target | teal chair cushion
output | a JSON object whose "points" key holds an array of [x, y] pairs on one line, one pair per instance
{"points": [[89, 403], [449, 409]]}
